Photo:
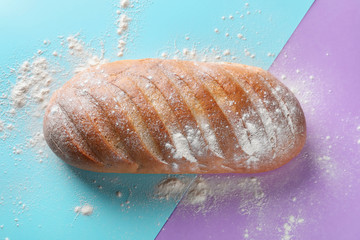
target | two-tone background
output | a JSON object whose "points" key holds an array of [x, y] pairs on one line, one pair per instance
{"points": [[311, 46]]}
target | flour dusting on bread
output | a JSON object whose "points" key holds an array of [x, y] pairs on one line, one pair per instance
{"points": [[255, 132]]}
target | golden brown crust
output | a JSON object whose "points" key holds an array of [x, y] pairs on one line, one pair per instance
{"points": [[171, 116]]}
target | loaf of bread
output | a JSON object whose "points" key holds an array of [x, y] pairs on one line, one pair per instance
{"points": [[172, 116]]}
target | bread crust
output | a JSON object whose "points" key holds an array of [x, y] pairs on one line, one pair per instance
{"points": [[173, 116]]}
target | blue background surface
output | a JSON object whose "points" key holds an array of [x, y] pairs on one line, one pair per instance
{"points": [[50, 190]]}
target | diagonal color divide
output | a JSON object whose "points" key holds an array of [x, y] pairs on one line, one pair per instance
{"points": [[318, 190], [36, 199]]}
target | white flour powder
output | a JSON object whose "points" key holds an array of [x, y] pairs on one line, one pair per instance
{"points": [[33, 83], [198, 193], [290, 226], [83, 57], [124, 3], [122, 24], [85, 210], [36, 80], [2, 125], [215, 190], [171, 188]]}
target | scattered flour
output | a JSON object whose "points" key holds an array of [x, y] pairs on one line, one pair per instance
{"points": [[164, 54], [2, 125], [118, 194], [247, 52], [252, 195], [198, 192], [17, 150], [122, 23], [36, 79], [246, 234], [37, 140], [226, 52], [171, 188], [327, 165], [206, 194], [185, 51], [83, 56], [10, 126], [33, 84], [290, 226], [124, 3], [85, 210]]}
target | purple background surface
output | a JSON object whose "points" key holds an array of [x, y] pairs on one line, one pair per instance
{"points": [[316, 195]]}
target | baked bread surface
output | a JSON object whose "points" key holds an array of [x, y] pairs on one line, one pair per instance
{"points": [[172, 116]]}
